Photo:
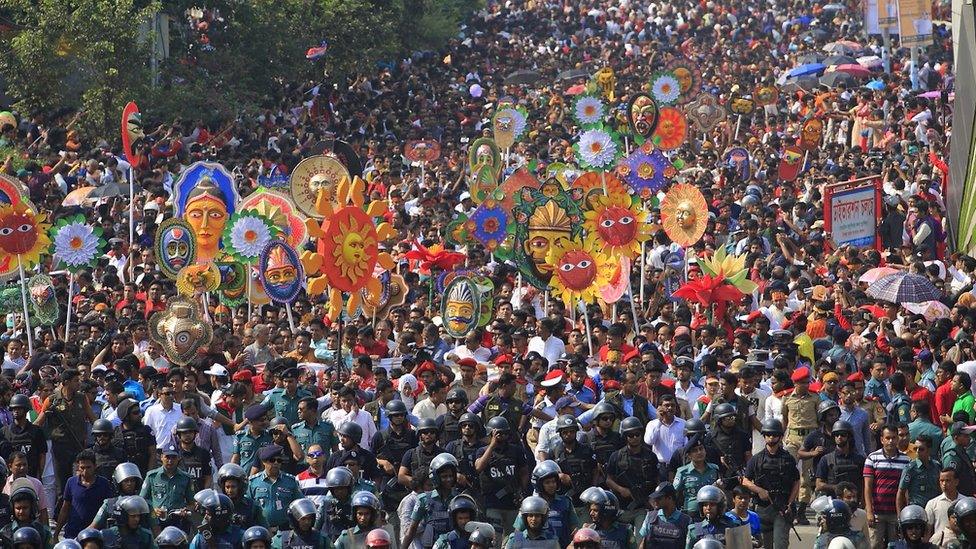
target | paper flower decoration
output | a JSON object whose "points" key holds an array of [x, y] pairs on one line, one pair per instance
{"points": [[579, 271], [76, 243], [23, 233], [246, 235], [731, 268], [597, 149], [646, 170], [285, 216], [672, 129], [708, 290], [684, 214], [665, 88], [489, 224], [519, 120], [589, 110], [435, 257], [616, 224]]}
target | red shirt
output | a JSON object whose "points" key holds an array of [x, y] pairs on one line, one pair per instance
{"points": [[624, 349], [944, 399], [378, 348]]}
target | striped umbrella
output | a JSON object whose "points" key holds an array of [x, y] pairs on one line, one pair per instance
{"points": [[904, 287], [874, 274]]}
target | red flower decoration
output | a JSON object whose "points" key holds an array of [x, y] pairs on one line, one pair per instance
{"points": [[434, 257], [708, 290], [672, 129]]}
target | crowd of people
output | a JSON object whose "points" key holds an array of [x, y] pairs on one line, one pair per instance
{"points": [[655, 425]]}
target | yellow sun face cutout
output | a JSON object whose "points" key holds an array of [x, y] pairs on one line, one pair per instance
{"points": [[616, 224], [579, 271], [24, 233], [347, 250]]}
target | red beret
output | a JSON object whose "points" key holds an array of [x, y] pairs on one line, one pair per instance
{"points": [[502, 359], [243, 375], [753, 316], [426, 366], [855, 377], [800, 374], [611, 385], [631, 355], [470, 362]]}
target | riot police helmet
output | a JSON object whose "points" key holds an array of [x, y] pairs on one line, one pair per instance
{"points": [[439, 463], [92, 535], [378, 538], [710, 494], [457, 395], [217, 509], [395, 407], [187, 425], [256, 533], [911, 515], [535, 505], [231, 471], [824, 407], [604, 408], [365, 499], [338, 477], [427, 425], [771, 427], [172, 537], [708, 543], [102, 427], [723, 411], [299, 509], [544, 470], [126, 470], [565, 422], [963, 507], [469, 418], [460, 503], [587, 538], [631, 425], [837, 517], [67, 544], [352, 430], [841, 426], [26, 536], [498, 424], [695, 427], [20, 401]]}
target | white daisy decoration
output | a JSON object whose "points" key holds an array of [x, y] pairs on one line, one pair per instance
{"points": [[665, 88], [589, 110], [519, 122], [76, 243], [597, 149], [248, 233]]}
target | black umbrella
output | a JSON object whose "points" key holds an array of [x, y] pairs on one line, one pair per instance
{"points": [[807, 58], [523, 77], [113, 189], [572, 74], [805, 83], [839, 60], [833, 79]]}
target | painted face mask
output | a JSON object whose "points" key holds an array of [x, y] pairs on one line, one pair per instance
{"points": [[179, 330], [281, 272], [462, 307], [175, 247]]}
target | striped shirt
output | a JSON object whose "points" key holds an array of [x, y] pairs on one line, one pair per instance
{"points": [[886, 473]]}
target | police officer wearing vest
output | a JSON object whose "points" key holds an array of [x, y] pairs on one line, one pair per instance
{"points": [[842, 464], [956, 457], [24, 436], [457, 404], [563, 519], [273, 489], [535, 534], [416, 461], [680, 457], [576, 459], [66, 416], [666, 526], [457, 538], [503, 403], [836, 522], [819, 443], [136, 440], [302, 535], [711, 506], [231, 480], [390, 445], [465, 449], [800, 419], [603, 438], [194, 460], [503, 473], [632, 472], [734, 444], [107, 455], [773, 476], [128, 482], [431, 514], [285, 401], [913, 523]]}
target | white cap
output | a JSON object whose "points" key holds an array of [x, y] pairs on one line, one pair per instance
{"points": [[216, 370]]}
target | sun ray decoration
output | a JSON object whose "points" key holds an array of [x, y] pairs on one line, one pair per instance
{"points": [[76, 243], [24, 233], [689, 78], [616, 224], [672, 129], [684, 214], [579, 271], [347, 249]]}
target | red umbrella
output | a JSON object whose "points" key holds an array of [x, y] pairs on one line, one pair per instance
{"points": [[576, 90], [854, 70]]}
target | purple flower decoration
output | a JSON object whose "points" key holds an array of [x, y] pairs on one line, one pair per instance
{"points": [[489, 224], [647, 171]]}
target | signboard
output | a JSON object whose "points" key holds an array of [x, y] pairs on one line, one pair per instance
{"points": [[915, 22], [852, 210], [888, 14], [871, 16]]}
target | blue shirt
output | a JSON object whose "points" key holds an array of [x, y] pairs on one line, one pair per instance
{"points": [[875, 388], [752, 521], [85, 502], [586, 417], [861, 422], [584, 395], [134, 387]]}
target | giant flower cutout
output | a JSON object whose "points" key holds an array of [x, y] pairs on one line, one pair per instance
{"points": [[616, 224], [76, 243], [597, 149], [665, 88], [589, 110], [646, 170], [731, 268], [489, 224], [672, 129], [434, 257], [519, 120], [579, 271], [246, 235], [708, 290]]}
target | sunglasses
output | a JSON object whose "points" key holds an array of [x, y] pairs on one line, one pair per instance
{"points": [[315, 454], [275, 460]]}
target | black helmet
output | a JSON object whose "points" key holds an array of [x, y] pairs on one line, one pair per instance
{"points": [[841, 426], [468, 417], [694, 427], [565, 422], [27, 535], [631, 425], [824, 407], [723, 411], [20, 401], [172, 537], [440, 462], [299, 509], [544, 470], [352, 430], [710, 494], [603, 408], [28, 493], [186, 425], [771, 427], [837, 517], [427, 424], [498, 423], [231, 471], [91, 534], [102, 426], [911, 515], [255, 533], [462, 502], [219, 509], [963, 507], [395, 407], [338, 477], [457, 395]]}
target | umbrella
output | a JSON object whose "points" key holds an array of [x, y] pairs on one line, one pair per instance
{"points": [[834, 79], [814, 35], [840, 48], [930, 94], [803, 70], [870, 61], [839, 60], [809, 57], [806, 83], [854, 70], [112, 189], [522, 78], [876, 273], [77, 196], [576, 90], [834, 7], [876, 85], [931, 310], [903, 287], [572, 74]]}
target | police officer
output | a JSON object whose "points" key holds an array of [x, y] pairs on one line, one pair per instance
{"points": [[311, 429], [171, 537], [563, 519], [128, 482], [799, 420], [835, 521], [503, 473], [250, 440], [711, 507], [694, 427], [168, 490], [27, 538], [534, 514], [273, 489], [602, 437], [232, 482], [457, 404], [632, 472], [604, 509], [390, 445], [24, 512], [216, 529], [431, 515], [465, 449], [416, 461], [66, 416], [912, 521], [502, 403], [24, 436], [843, 464], [336, 512], [107, 454], [773, 476], [91, 535], [461, 511], [302, 535], [194, 460], [366, 509], [284, 401], [256, 537], [734, 444], [131, 514], [821, 441], [575, 459], [666, 526], [136, 439], [350, 439]]}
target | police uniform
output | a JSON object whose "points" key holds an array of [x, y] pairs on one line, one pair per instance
{"points": [[639, 474], [334, 516], [661, 532], [733, 445], [106, 459], [322, 433], [605, 444], [449, 427], [285, 406], [274, 496], [30, 440], [855, 537], [836, 467], [802, 421], [292, 539], [775, 473], [921, 480], [618, 536], [105, 517], [163, 491], [231, 539], [707, 529], [562, 522], [579, 463], [123, 538], [431, 516], [196, 463], [453, 540], [7, 532], [247, 513], [417, 460], [392, 446], [66, 422], [355, 537], [500, 487], [511, 409], [247, 447], [133, 443], [521, 539]]}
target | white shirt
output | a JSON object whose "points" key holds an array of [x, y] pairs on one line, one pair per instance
{"points": [[664, 439], [689, 395], [162, 422], [937, 511], [360, 417], [551, 349], [549, 437], [773, 408], [481, 355], [425, 409]]}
